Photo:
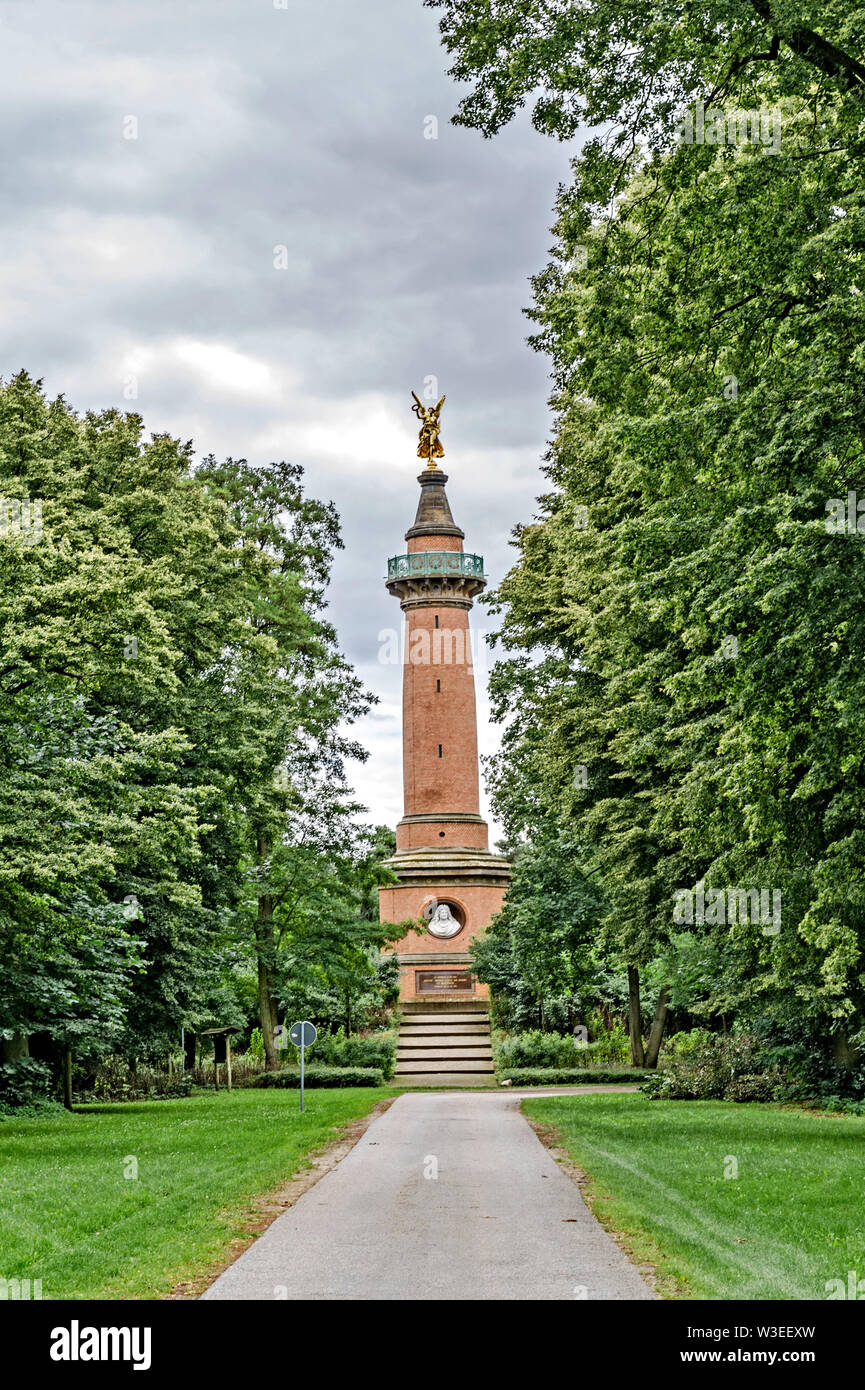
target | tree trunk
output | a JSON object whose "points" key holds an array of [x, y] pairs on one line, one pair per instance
{"points": [[13, 1048], [635, 1023], [265, 949], [67, 1079], [845, 1053], [265, 946], [657, 1030]]}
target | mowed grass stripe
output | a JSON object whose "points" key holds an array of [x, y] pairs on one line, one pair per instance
{"points": [[697, 1231], [793, 1218], [69, 1217]]}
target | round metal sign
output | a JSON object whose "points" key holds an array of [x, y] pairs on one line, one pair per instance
{"points": [[302, 1034]]}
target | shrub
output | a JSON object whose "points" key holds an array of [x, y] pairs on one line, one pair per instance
{"points": [[317, 1076], [114, 1080], [843, 1104], [757, 1086], [570, 1076], [256, 1045], [536, 1049], [613, 1046], [24, 1084], [377, 1050], [714, 1066], [243, 1071], [688, 1044]]}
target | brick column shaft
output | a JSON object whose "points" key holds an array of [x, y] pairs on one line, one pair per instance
{"points": [[442, 841]]}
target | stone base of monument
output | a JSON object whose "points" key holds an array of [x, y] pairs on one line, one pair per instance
{"points": [[441, 1044]]}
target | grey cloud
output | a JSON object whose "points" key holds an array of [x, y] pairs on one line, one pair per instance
{"points": [[406, 257]]}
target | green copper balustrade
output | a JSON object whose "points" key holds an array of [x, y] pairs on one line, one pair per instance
{"points": [[434, 563]]}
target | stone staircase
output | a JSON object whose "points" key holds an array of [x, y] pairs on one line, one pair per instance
{"points": [[444, 1044]]}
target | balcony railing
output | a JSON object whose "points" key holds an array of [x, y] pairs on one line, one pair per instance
{"points": [[434, 563]]}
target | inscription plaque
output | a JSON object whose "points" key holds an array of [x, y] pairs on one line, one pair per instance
{"points": [[442, 981]]}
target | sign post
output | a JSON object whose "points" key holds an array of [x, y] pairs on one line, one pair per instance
{"points": [[302, 1035]]}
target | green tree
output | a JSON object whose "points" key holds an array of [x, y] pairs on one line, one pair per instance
{"points": [[169, 693], [541, 943], [681, 624], [296, 692]]}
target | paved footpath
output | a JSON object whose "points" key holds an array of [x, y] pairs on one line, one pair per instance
{"points": [[500, 1221]]}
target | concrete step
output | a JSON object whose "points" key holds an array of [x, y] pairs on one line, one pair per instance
{"points": [[445, 1040], [410, 1045], [447, 1019], [444, 1059], [443, 1006], [427, 1030], [422, 1054], [422, 1068], [445, 1064], [415, 1040], [451, 1080], [444, 1056]]}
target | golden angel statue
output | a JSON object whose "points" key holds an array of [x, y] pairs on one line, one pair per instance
{"points": [[429, 445]]}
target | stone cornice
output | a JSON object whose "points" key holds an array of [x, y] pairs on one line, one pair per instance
{"points": [[439, 867]]}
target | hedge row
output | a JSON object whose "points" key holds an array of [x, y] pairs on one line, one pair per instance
{"points": [[376, 1050], [556, 1051], [322, 1076], [569, 1076]]}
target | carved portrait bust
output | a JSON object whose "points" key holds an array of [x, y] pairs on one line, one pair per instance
{"points": [[442, 921]]}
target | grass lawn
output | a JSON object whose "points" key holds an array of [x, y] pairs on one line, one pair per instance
{"points": [[792, 1219], [69, 1217]]}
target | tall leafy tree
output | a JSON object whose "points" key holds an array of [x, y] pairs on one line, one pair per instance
{"points": [[689, 624], [169, 693], [541, 943], [296, 690]]}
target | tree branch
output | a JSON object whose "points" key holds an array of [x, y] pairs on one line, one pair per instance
{"points": [[817, 51]]}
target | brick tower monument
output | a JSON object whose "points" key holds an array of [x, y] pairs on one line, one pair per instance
{"points": [[447, 875]]}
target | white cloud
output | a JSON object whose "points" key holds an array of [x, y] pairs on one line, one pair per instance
{"points": [[152, 258]]}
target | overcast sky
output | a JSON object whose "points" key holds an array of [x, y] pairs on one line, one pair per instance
{"points": [[156, 153]]}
